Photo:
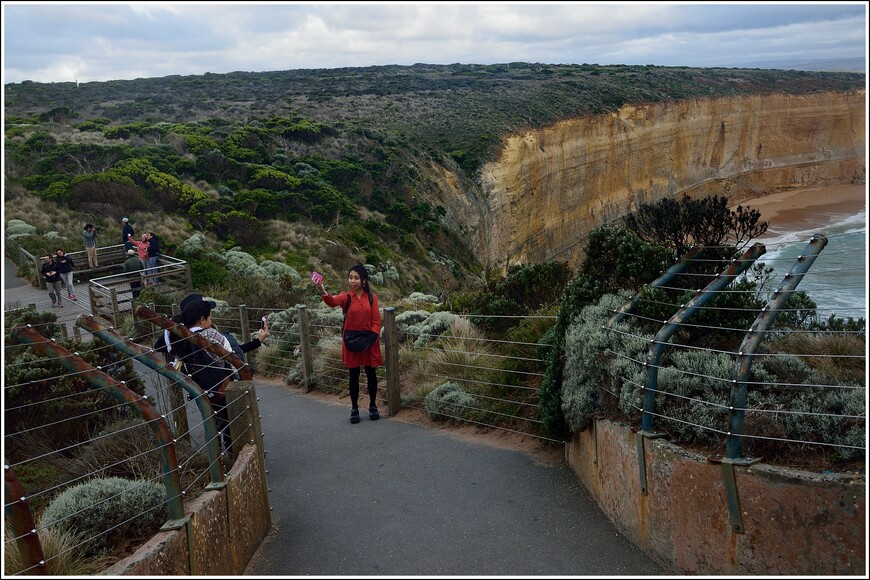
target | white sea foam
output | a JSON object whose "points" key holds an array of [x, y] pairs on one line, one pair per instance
{"points": [[838, 224], [836, 281]]}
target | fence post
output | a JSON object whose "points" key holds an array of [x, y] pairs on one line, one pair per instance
{"points": [[116, 313], [244, 329], [305, 347], [40, 279], [188, 279], [391, 352]]}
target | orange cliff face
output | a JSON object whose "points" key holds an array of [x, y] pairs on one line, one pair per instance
{"points": [[550, 186]]}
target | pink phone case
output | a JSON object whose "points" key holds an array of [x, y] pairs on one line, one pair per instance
{"points": [[316, 278]]}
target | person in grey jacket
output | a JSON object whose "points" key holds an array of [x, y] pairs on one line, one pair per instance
{"points": [[90, 236], [132, 265]]}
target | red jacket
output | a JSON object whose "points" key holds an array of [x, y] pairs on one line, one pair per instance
{"points": [[141, 249], [360, 316]]}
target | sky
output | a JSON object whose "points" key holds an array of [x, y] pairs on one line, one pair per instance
{"points": [[82, 41]]}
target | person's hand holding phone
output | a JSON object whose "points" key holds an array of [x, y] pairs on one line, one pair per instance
{"points": [[318, 281], [263, 332]]}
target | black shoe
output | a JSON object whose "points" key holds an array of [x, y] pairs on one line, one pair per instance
{"points": [[373, 413], [354, 416]]}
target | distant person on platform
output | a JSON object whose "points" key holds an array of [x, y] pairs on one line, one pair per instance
{"points": [[133, 265], [90, 236], [153, 256], [52, 281], [65, 266], [126, 233], [141, 249]]}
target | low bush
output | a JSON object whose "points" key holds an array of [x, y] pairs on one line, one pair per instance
{"points": [[104, 512]]}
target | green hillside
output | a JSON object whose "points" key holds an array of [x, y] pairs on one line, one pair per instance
{"points": [[312, 168]]}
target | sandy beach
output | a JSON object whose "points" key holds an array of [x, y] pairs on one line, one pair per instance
{"points": [[807, 208]]}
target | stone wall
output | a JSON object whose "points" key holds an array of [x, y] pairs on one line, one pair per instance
{"points": [[794, 522]]}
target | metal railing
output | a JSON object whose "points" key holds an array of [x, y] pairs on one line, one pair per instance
{"points": [[112, 296]]}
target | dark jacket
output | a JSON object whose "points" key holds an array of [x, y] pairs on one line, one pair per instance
{"points": [[153, 247], [125, 231], [50, 272], [64, 264]]}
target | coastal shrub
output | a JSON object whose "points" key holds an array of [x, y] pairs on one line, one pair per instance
{"points": [[429, 327], [206, 271], [420, 297], [275, 270], [15, 228], [786, 408], [195, 245], [448, 401], [103, 512], [41, 392]]}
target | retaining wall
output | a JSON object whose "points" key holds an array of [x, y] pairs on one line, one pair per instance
{"points": [[226, 527], [795, 522]]}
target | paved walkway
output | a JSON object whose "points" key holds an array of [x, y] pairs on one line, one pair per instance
{"points": [[394, 498]]}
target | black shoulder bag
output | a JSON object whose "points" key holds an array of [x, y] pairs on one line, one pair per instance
{"points": [[358, 340]]}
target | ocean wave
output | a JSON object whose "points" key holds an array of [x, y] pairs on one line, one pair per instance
{"points": [[838, 225]]}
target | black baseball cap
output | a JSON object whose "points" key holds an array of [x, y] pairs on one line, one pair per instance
{"points": [[196, 296]]}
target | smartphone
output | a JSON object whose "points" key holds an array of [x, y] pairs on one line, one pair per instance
{"points": [[316, 278], [265, 321]]}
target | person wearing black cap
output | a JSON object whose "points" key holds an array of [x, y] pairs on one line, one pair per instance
{"points": [[238, 349], [207, 369]]}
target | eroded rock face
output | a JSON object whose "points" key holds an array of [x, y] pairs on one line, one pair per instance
{"points": [[551, 186]]}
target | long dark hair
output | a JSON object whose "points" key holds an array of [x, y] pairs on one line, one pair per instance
{"points": [[363, 276]]}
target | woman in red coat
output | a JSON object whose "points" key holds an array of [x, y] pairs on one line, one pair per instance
{"points": [[361, 310]]}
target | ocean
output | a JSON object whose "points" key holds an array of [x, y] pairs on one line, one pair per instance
{"points": [[837, 280]]}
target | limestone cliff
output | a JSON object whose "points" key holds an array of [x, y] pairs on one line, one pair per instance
{"points": [[550, 186]]}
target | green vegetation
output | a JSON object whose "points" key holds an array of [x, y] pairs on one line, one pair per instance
{"points": [[257, 178], [123, 507]]}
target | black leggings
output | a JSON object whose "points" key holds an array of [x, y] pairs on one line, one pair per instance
{"points": [[371, 377]]}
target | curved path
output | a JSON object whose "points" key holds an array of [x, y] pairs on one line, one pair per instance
{"points": [[394, 498]]}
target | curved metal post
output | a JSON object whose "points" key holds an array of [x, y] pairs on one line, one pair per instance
{"points": [[669, 275], [122, 394], [17, 512], [147, 357], [756, 333], [659, 343]]}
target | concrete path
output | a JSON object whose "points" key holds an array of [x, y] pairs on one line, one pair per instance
{"points": [[394, 498]]}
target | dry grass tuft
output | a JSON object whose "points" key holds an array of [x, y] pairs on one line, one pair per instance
{"points": [[64, 555], [842, 357]]}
